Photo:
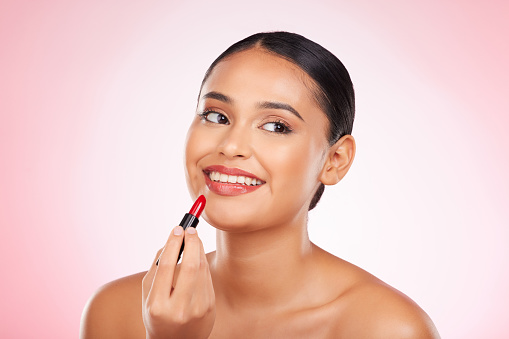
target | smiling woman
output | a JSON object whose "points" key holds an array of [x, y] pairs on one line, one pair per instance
{"points": [[273, 126]]}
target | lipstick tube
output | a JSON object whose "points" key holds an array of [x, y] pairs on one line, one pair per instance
{"points": [[191, 219]]}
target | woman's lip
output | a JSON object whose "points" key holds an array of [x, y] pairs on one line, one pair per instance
{"points": [[229, 171], [228, 189]]}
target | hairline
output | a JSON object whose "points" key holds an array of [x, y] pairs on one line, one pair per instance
{"points": [[317, 94]]}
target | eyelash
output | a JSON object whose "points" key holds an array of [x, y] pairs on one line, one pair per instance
{"points": [[286, 128], [204, 115]]}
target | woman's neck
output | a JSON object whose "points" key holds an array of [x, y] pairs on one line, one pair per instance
{"points": [[262, 268]]}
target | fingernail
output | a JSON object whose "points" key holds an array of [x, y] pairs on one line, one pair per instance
{"points": [[191, 230], [177, 230]]}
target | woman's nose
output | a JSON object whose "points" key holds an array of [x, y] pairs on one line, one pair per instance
{"points": [[236, 143]]}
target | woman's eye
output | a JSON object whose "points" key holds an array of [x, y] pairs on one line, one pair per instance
{"points": [[216, 118], [277, 127]]}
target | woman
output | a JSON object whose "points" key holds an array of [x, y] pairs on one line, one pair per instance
{"points": [[276, 111]]}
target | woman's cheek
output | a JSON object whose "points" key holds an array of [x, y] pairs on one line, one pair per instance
{"points": [[292, 167], [197, 141], [193, 153]]}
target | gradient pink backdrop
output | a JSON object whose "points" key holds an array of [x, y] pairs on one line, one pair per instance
{"points": [[95, 100]]}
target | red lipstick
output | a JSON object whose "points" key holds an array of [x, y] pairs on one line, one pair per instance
{"points": [[191, 219], [227, 188], [197, 208]]}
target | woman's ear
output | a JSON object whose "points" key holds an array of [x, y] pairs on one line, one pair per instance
{"points": [[338, 161]]}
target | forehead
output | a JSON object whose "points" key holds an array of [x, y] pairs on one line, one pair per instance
{"points": [[258, 75]]}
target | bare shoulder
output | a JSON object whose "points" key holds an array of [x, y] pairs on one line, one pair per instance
{"points": [[369, 308], [373, 309], [114, 311]]}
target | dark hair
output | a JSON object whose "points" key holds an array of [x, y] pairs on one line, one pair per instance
{"points": [[334, 89]]}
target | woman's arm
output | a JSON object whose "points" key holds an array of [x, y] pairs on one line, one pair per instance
{"points": [[144, 305]]}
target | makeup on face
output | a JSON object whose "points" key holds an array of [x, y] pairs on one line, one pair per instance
{"points": [[256, 120], [191, 219]]}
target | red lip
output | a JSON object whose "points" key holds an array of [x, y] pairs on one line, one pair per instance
{"points": [[228, 189], [230, 171]]}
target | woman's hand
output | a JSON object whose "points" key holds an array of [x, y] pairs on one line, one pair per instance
{"points": [[188, 311]]}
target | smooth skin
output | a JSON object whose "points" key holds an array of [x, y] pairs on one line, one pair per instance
{"points": [[266, 279]]}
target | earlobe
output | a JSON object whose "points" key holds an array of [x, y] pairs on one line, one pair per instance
{"points": [[339, 159]]}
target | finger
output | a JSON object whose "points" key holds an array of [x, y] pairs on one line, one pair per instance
{"points": [[189, 267], [205, 289], [163, 276], [149, 276]]}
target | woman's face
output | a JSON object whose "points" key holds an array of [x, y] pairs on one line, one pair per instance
{"points": [[258, 143]]}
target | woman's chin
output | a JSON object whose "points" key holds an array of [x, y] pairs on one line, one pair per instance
{"points": [[234, 222]]}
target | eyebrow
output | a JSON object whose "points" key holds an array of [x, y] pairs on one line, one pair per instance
{"points": [[263, 104], [279, 105], [218, 96]]}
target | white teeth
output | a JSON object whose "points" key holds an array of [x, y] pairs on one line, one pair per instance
{"points": [[223, 177], [233, 179]]}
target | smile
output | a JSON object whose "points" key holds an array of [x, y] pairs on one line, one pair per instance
{"points": [[234, 179], [230, 181]]}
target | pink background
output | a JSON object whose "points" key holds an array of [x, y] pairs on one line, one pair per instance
{"points": [[96, 97]]}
